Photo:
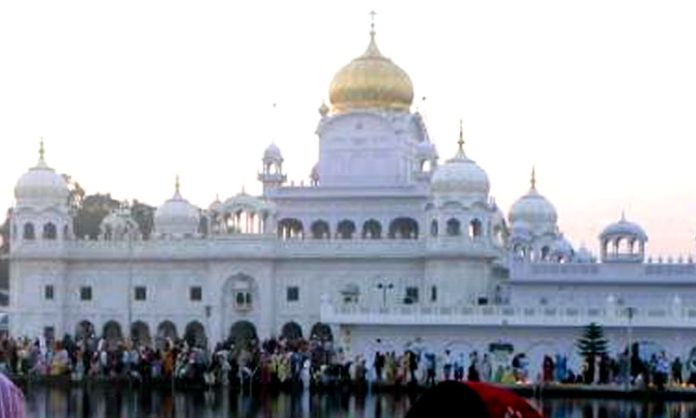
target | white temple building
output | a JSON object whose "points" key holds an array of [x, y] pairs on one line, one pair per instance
{"points": [[385, 248]]}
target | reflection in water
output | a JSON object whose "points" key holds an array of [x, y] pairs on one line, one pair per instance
{"points": [[107, 402]]}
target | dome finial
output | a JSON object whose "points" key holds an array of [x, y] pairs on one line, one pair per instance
{"points": [[177, 186], [42, 151], [460, 142], [533, 179], [372, 24], [623, 215]]}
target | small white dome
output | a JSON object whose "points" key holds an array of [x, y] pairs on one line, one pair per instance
{"points": [[583, 255], [41, 186], [460, 176], [535, 210], [562, 248], [624, 228], [272, 153], [177, 217], [216, 206]]}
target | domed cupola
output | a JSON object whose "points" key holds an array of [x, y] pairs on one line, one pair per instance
{"points": [[623, 241], [460, 177], [41, 187], [561, 250], [216, 206], [583, 255], [177, 218], [371, 81], [271, 175], [534, 210], [272, 154]]}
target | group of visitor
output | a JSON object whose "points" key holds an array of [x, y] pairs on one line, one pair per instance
{"points": [[299, 362]]}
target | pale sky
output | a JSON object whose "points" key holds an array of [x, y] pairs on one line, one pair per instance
{"points": [[599, 95]]}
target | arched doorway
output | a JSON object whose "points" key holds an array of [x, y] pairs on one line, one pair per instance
{"points": [[195, 335], [345, 229], [243, 334], [140, 334], [320, 230], [403, 228], [291, 331], [166, 331], [84, 330], [321, 333], [372, 230], [112, 333]]}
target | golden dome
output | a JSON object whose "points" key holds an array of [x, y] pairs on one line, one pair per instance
{"points": [[371, 81]]}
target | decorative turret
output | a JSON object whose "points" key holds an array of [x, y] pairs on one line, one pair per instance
{"points": [[271, 175], [623, 241]]}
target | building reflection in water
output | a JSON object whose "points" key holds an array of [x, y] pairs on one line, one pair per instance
{"points": [[107, 402]]}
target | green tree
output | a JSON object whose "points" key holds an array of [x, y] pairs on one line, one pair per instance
{"points": [[144, 216], [91, 212], [591, 345]]}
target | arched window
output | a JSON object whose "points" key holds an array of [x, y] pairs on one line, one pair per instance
{"points": [[345, 229], [433, 228], [290, 228], [49, 231], [372, 229], [454, 227], [475, 229], [29, 231], [320, 230], [403, 228], [545, 250]]}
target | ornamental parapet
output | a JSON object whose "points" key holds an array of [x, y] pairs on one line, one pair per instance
{"points": [[513, 316], [658, 274], [255, 246]]}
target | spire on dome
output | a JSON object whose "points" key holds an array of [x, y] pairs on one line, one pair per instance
{"points": [[460, 142], [532, 181], [177, 187], [42, 151], [372, 24]]}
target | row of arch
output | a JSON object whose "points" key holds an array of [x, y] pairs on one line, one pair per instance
{"points": [[241, 333], [399, 228], [48, 232], [453, 228]]}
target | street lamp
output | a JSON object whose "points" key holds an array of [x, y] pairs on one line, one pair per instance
{"points": [[630, 311], [384, 287]]}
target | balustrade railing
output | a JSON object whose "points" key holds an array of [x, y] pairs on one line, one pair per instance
{"points": [[616, 316]]}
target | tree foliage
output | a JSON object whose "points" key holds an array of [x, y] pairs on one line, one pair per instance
{"points": [[592, 342], [91, 213]]}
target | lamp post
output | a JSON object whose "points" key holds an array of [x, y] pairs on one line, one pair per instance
{"points": [[630, 311], [384, 287]]}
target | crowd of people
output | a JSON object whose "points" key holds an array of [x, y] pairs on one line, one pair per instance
{"points": [[280, 362]]}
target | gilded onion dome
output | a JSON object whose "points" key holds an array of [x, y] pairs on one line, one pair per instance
{"points": [[371, 81]]}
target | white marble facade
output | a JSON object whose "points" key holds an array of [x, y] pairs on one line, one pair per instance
{"points": [[385, 245]]}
